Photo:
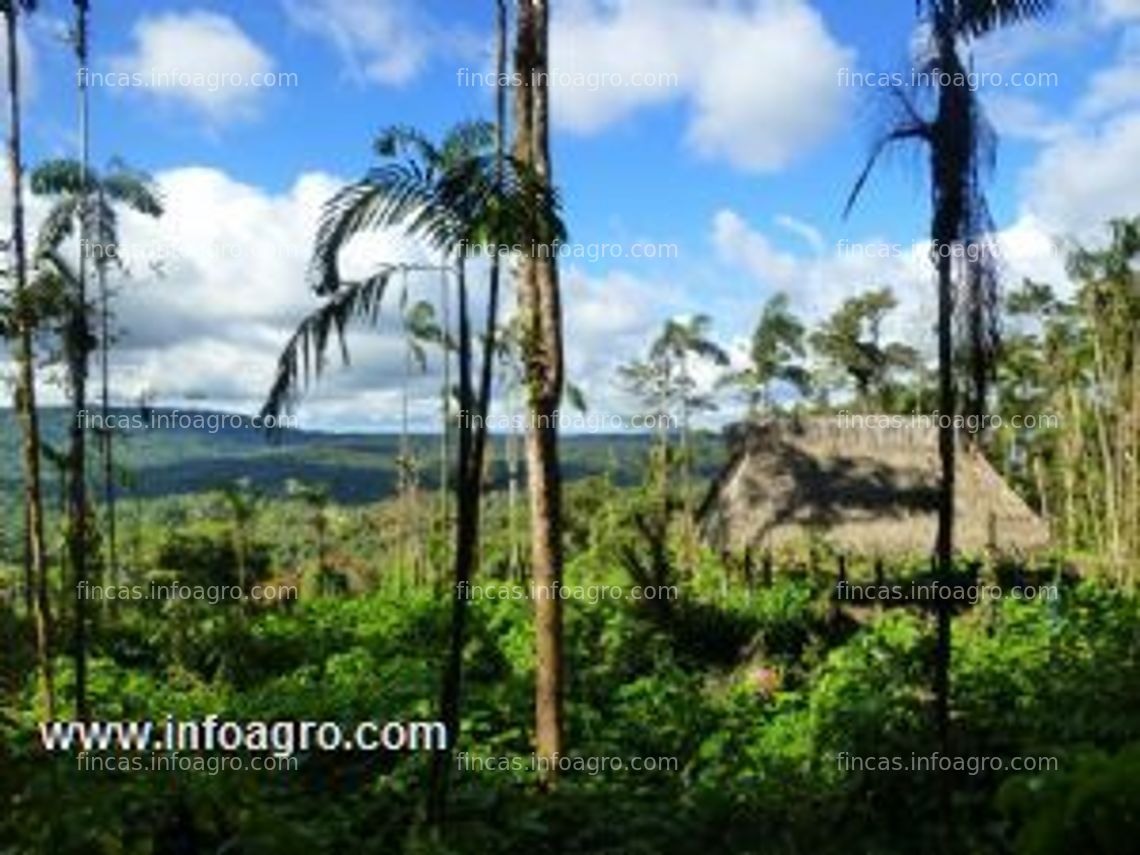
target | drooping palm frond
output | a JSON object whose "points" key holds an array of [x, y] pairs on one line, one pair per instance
{"points": [[304, 356], [467, 139], [133, 189], [916, 131], [58, 225], [453, 197], [973, 18], [60, 177], [62, 180], [576, 397]]}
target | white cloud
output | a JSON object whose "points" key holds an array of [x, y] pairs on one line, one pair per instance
{"points": [[1016, 117], [806, 231], [1120, 10], [1118, 86], [208, 331], [757, 78], [201, 59], [818, 284], [380, 41], [1081, 181], [233, 287], [27, 70]]}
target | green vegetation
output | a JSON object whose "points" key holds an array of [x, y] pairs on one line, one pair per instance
{"points": [[627, 689], [759, 693]]}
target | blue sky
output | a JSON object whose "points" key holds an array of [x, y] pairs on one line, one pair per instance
{"points": [[743, 164]]}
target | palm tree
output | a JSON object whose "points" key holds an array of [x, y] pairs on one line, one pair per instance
{"points": [[456, 195], [960, 144], [35, 559], [86, 202], [243, 501], [679, 343], [850, 341], [777, 344]]}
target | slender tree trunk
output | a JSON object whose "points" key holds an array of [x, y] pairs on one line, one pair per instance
{"points": [[35, 555], [29, 575], [1068, 464], [107, 435], [472, 447], [1134, 454], [1111, 512], [512, 487], [687, 472], [445, 412], [466, 531], [404, 470], [78, 347], [1092, 512], [542, 321], [951, 147]]}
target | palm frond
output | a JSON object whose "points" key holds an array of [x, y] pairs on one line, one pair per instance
{"points": [[973, 18], [58, 226], [304, 357], [134, 189], [908, 131]]}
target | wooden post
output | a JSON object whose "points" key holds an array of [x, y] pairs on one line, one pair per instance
{"points": [[767, 569]]}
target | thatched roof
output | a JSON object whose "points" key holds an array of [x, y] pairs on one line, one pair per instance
{"points": [[865, 490]]}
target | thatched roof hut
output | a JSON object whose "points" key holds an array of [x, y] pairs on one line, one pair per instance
{"points": [[866, 490]]}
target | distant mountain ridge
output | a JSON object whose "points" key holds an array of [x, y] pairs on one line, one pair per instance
{"points": [[355, 467]]}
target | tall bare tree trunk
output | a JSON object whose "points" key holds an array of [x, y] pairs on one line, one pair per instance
{"points": [[512, 487], [542, 349], [1111, 513], [445, 413], [1092, 513], [78, 345], [472, 448], [1134, 454], [107, 435], [35, 557], [951, 147]]}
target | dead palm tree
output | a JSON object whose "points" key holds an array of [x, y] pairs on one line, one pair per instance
{"points": [[960, 145], [23, 326]]}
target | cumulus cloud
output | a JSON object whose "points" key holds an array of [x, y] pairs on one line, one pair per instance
{"points": [[1120, 10], [1079, 182], [381, 41], [1118, 86], [756, 79], [1015, 117], [818, 284], [202, 60], [218, 284]]}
